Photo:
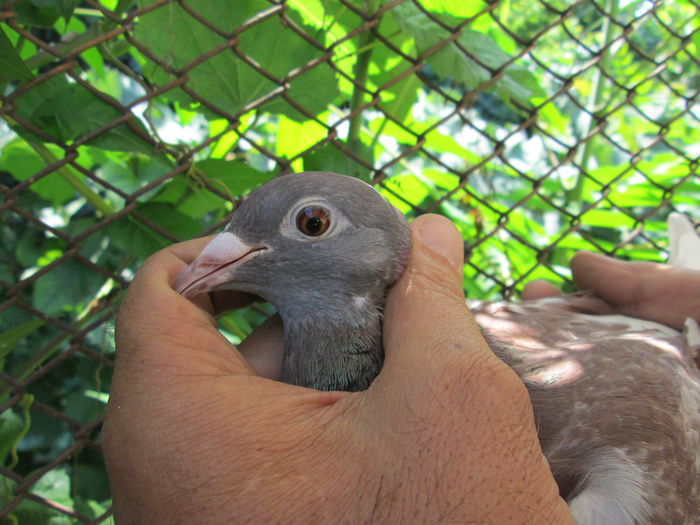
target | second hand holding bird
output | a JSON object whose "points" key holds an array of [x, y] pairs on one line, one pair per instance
{"points": [[642, 289]]}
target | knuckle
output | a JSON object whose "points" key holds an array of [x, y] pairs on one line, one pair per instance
{"points": [[480, 378], [155, 260]]}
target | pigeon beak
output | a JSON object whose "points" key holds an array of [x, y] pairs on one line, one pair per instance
{"points": [[213, 266]]}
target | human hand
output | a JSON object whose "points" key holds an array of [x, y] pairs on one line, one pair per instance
{"points": [[646, 290], [445, 432]]}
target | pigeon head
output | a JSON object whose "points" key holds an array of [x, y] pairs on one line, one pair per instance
{"points": [[321, 248]]}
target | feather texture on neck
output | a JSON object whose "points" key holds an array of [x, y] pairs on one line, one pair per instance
{"points": [[333, 355]]}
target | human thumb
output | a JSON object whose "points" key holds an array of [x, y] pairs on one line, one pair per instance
{"points": [[458, 418], [428, 329]]}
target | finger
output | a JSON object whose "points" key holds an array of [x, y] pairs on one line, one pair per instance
{"points": [[158, 326], [539, 289], [263, 349], [429, 333], [441, 382], [646, 290]]}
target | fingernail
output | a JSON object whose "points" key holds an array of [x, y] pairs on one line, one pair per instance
{"points": [[442, 237]]}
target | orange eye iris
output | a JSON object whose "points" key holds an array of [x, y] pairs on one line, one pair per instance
{"points": [[313, 220]]}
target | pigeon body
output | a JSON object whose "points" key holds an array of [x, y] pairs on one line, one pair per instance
{"points": [[616, 399], [616, 402]]}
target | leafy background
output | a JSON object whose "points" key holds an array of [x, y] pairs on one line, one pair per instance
{"points": [[540, 128]]}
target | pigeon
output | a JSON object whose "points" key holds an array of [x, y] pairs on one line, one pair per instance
{"points": [[322, 249], [616, 399]]}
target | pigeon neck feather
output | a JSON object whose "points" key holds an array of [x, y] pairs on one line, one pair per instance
{"points": [[328, 351]]}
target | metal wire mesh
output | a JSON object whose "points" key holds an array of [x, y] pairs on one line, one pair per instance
{"points": [[540, 128]]}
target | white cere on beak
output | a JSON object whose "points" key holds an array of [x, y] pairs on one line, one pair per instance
{"points": [[224, 247]]}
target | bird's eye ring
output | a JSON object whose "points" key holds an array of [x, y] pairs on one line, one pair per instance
{"points": [[313, 220]]}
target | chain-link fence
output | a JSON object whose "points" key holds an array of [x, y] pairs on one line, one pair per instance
{"points": [[539, 127]]}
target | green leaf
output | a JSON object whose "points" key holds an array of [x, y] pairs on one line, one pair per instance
{"points": [[313, 90], [201, 202], [236, 324], [636, 195], [66, 7], [11, 426], [452, 62], [34, 513], [458, 8], [295, 137], [330, 158], [67, 287], [409, 187], [231, 82], [33, 244], [22, 162], [131, 236], [237, 177], [406, 94], [400, 97], [11, 65], [129, 173], [448, 62], [519, 78], [174, 190], [225, 80], [51, 106], [123, 6], [93, 489], [55, 486], [44, 13], [313, 12], [39, 13], [134, 237], [607, 219], [81, 407], [10, 338], [93, 508], [171, 221], [233, 178]]}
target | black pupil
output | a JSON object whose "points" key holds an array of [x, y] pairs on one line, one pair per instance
{"points": [[313, 220], [313, 225]]}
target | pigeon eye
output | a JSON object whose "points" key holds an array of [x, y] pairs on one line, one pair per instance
{"points": [[313, 220]]}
